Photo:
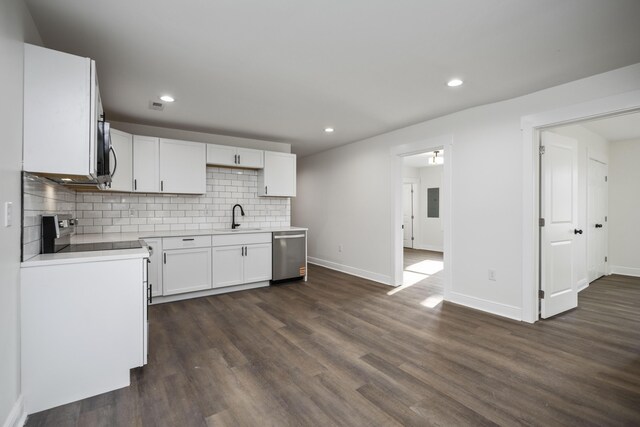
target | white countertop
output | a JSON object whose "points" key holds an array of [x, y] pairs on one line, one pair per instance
{"points": [[95, 256], [123, 237], [81, 257]]}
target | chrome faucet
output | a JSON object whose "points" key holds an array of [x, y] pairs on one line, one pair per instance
{"points": [[233, 216]]}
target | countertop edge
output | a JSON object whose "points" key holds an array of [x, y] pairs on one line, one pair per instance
{"points": [[84, 257]]}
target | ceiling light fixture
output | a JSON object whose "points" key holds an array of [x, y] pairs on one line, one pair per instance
{"points": [[329, 130], [454, 83], [435, 160], [167, 98]]}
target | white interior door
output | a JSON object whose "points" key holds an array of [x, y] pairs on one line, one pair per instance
{"points": [[407, 214], [597, 219], [559, 196]]}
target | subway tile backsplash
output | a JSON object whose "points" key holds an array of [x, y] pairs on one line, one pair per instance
{"points": [[104, 212], [41, 196]]}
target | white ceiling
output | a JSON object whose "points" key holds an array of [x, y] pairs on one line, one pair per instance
{"points": [[617, 128], [284, 69], [420, 160]]}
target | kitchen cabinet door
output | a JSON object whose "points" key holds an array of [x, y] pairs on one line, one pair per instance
{"points": [[278, 178], [221, 155], [183, 167], [186, 270], [227, 266], [122, 162], [250, 158], [146, 164], [155, 266], [58, 112], [257, 263]]}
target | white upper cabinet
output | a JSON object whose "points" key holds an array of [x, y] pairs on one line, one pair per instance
{"points": [[60, 106], [278, 178], [146, 164], [250, 158], [183, 167], [224, 155], [221, 155], [122, 161]]}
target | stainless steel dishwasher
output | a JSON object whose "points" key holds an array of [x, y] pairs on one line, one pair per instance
{"points": [[289, 255]]}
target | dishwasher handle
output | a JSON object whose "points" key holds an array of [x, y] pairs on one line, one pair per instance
{"points": [[289, 236]]}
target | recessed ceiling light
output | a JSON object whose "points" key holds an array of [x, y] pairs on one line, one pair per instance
{"points": [[454, 82], [329, 130], [167, 98]]}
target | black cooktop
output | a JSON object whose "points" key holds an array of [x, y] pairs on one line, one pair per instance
{"points": [[104, 246]]}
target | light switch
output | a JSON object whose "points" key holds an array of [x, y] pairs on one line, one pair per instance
{"points": [[8, 214]]}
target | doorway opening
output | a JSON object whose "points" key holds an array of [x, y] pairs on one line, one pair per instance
{"points": [[421, 223], [589, 202]]}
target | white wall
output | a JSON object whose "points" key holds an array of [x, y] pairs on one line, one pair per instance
{"points": [[624, 207], [431, 231], [590, 145], [16, 26], [162, 132], [345, 194]]}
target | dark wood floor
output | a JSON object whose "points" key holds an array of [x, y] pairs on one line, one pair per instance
{"points": [[339, 350]]}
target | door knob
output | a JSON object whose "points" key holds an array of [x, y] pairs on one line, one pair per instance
{"points": [[576, 231], [598, 225]]}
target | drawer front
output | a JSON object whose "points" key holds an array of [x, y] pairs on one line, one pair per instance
{"points": [[186, 242], [241, 239]]}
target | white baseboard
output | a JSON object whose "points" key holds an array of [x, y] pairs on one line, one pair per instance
{"points": [[430, 248], [625, 271], [208, 292], [504, 310], [376, 277], [583, 284], [18, 415]]}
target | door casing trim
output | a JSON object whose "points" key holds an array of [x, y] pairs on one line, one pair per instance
{"points": [[531, 126]]}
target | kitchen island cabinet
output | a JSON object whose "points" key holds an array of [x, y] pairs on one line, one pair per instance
{"points": [[84, 325]]}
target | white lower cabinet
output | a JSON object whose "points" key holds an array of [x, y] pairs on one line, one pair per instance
{"points": [[155, 266], [239, 264], [240, 259], [257, 263], [186, 270], [227, 266]]}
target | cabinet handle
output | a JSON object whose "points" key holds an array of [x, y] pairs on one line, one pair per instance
{"points": [[161, 185], [135, 184], [188, 240], [165, 257], [265, 190], [150, 294], [115, 158], [239, 161], [245, 251]]}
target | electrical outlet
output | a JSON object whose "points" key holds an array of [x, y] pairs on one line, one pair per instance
{"points": [[492, 275], [339, 248]]}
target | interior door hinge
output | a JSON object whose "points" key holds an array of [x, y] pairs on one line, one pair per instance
{"points": [[541, 294], [542, 149], [541, 222], [413, 238], [606, 219], [606, 178], [606, 259]]}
